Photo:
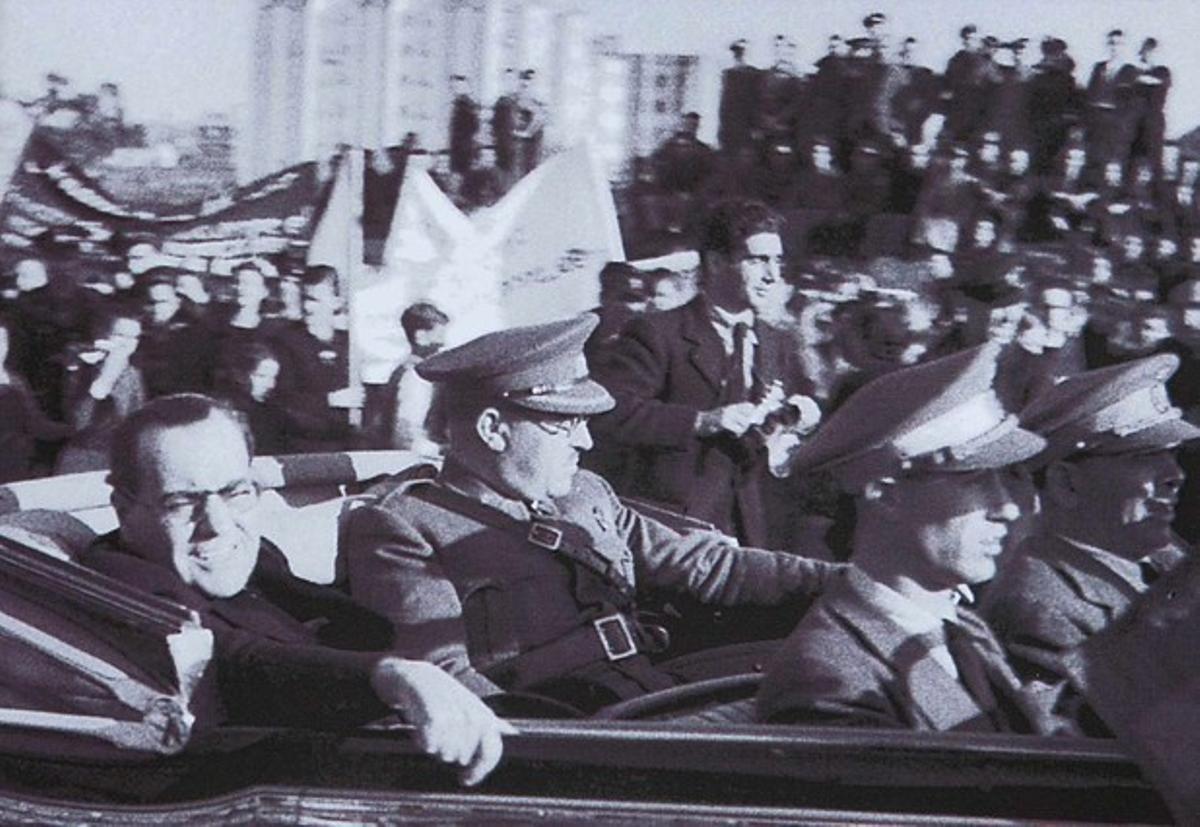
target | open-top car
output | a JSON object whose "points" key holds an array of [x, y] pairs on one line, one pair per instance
{"points": [[97, 719]]}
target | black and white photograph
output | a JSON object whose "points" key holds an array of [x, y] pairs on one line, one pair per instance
{"points": [[599, 412]]}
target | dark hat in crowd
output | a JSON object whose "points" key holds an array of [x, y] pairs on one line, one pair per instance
{"points": [[874, 19], [538, 367], [1119, 409], [738, 45], [527, 74], [623, 282], [1053, 46], [943, 415]]}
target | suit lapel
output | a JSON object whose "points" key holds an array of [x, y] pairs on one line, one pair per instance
{"points": [[705, 351], [930, 692], [1095, 583]]}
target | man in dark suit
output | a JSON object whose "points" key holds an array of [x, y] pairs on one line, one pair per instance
{"points": [[504, 118], [1110, 112], [288, 652], [922, 450], [1109, 485], [689, 382], [738, 115], [464, 124]]}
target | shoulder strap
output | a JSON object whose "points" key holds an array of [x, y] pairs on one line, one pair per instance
{"points": [[540, 533]]}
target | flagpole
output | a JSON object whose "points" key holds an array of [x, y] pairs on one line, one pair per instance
{"points": [[354, 254]]}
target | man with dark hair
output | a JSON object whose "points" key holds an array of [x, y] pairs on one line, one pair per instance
{"points": [[288, 652], [315, 365], [1110, 90], [464, 124], [963, 84], [174, 356], [1149, 95], [922, 450], [689, 382], [408, 400], [741, 89], [104, 385], [246, 322], [514, 568]]}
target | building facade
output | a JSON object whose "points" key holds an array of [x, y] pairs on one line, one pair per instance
{"points": [[368, 72]]}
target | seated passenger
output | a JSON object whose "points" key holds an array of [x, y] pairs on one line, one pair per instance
{"points": [[1109, 484], [515, 570], [890, 644], [288, 652]]}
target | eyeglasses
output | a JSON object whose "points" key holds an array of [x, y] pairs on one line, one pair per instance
{"points": [[561, 427], [183, 507]]}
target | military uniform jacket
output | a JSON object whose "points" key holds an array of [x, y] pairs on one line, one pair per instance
{"points": [[663, 370], [469, 596], [287, 652], [1050, 597], [847, 662]]}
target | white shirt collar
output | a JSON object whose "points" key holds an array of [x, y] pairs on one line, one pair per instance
{"points": [[921, 619]]}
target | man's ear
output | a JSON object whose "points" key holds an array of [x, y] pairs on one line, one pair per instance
{"points": [[1061, 486], [118, 498], [492, 430]]}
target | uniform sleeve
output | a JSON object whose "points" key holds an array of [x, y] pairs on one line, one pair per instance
{"points": [[635, 373], [713, 570], [393, 571], [821, 679]]}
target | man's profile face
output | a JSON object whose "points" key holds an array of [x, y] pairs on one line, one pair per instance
{"points": [[262, 379], [749, 276], [1129, 498], [429, 341], [958, 523], [213, 544], [542, 455]]}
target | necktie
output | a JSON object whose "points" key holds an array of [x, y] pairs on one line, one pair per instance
{"points": [[736, 387], [972, 670]]}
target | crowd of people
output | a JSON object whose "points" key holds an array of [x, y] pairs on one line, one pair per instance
{"points": [[79, 356], [871, 135]]}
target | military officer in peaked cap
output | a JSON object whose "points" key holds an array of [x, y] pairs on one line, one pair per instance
{"points": [[517, 571], [923, 450], [1109, 483]]}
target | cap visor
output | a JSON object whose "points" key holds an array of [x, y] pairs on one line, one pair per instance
{"points": [[1010, 448], [1162, 436], [585, 399]]}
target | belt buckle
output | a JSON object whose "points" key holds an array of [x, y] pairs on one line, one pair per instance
{"points": [[545, 536], [616, 626]]}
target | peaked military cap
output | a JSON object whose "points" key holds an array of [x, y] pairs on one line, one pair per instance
{"points": [[943, 415], [538, 367], [738, 45], [1119, 409]]}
